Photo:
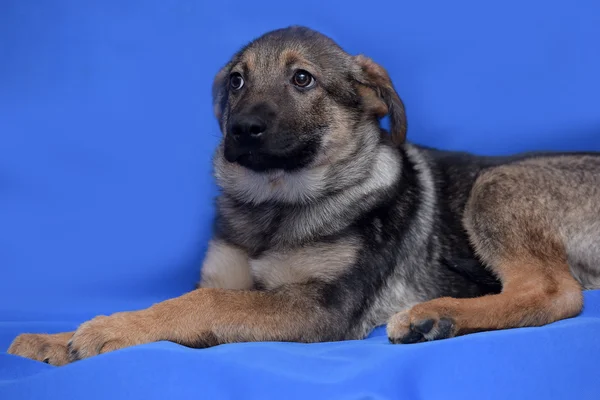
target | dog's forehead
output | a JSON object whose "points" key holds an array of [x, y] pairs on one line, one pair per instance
{"points": [[265, 58], [280, 49]]}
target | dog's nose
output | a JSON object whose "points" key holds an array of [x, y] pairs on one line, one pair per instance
{"points": [[248, 126]]}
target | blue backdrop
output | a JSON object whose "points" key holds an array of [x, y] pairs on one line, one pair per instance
{"points": [[106, 136]]}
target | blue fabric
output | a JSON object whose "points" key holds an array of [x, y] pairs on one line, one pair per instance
{"points": [[107, 131]]}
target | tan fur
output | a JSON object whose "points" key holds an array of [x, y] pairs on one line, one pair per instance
{"points": [[336, 145], [535, 295], [249, 59], [51, 349], [377, 78], [375, 104], [290, 57], [205, 317]]}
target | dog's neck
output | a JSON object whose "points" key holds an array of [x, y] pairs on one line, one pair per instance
{"points": [[257, 219], [282, 210]]}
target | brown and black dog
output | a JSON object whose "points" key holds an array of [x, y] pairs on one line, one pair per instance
{"points": [[327, 225]]}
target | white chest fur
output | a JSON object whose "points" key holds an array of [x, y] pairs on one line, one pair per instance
{"points": [[323, 261], [228, 267]]}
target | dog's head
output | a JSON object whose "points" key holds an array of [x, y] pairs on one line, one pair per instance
{"points": [[293, 99]]}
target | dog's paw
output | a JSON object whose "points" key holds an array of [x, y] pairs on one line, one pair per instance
{"points": [[421, 323], [51, 349], [107, 333]]}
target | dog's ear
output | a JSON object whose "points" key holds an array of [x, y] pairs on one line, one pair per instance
{"points": [[380, 96], [220, 90]]}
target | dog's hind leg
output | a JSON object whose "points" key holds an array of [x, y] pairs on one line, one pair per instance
{"points": [[516, 217], [530, 297]]}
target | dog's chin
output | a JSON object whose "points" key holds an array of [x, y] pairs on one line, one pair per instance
{"points": [[260, 161]]}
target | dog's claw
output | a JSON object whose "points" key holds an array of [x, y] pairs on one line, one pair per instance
{"points": [[445, 327], [414, 326], [412, 337]]}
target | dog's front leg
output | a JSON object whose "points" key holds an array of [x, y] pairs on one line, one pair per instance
{"points": [[206, 317]]}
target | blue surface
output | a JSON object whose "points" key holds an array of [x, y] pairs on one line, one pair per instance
{"points": [[106, 135]]}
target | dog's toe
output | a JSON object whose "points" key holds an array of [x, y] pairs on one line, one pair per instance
{"points": [[445, 329], [423, 326], [411, 337], [419, 325], [50, 349], [400, 330]]}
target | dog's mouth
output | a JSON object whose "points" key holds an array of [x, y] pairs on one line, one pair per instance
{"points": [[261, 160]]}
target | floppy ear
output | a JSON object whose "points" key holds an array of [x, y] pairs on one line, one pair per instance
{"points": [[380, 96], [219, 91]]}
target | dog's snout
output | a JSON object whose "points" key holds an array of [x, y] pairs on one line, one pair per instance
{"points": [[248, 126]]}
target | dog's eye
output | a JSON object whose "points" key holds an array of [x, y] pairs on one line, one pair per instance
{"points": [[236, 81], [303, 79]]}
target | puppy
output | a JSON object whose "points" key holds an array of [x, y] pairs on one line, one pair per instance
{"points": [[328, 225]]}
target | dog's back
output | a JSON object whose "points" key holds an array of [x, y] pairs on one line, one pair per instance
{"points": [[568, 181]]}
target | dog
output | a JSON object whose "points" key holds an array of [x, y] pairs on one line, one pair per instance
{"points": [[328, 225]]}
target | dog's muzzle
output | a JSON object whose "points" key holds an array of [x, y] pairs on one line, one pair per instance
{"points": [[245, 136]]}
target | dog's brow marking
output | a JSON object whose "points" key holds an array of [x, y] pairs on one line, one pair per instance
{"points": [[249, 61], [289, 57]]}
